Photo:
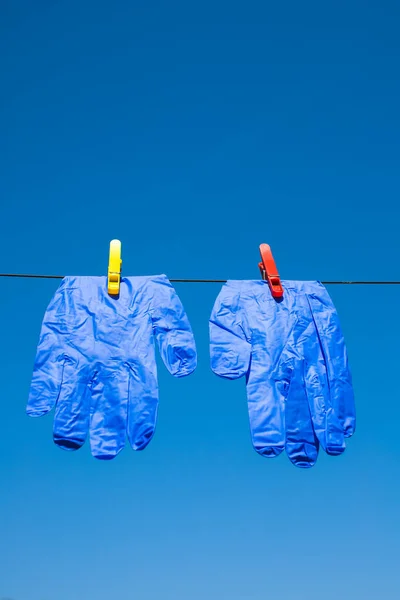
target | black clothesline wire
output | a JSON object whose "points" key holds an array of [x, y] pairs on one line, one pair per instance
{"points": [[29, 276]]}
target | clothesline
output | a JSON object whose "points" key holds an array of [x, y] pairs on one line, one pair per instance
{"points": [[32, 276]]}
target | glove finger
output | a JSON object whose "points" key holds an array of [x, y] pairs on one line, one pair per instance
{"points": [[301, 442], [229, 348], [71, 418], [108, 418], [172, 330], [327, 425], [47, 371], [45, 386], [335, 354], [265, 406], [142, 405], [268, 384]]}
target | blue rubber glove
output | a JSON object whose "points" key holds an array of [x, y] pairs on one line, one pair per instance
{"points": [[96, 360], [293, 354]]}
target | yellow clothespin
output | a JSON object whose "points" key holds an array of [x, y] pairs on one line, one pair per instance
{"points": [[114, 268]]}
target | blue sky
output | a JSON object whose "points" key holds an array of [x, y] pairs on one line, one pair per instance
{"points": [[193, 132]]}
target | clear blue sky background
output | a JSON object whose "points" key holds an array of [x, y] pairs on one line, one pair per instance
{"points": [[193, 132]]}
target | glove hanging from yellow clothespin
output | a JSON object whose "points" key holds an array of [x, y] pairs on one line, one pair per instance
{"points": [[114, 268]]}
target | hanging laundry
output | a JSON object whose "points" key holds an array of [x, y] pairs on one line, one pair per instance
{"points": [[293, 355], [96, 360]]}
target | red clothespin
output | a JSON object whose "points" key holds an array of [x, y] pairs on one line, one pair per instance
{"points": [[269, 272]]}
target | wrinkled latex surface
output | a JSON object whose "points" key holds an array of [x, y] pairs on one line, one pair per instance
{"points": [[96, 362], [293, 355]]}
